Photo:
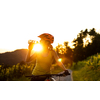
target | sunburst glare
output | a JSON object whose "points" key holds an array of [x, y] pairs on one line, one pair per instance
{"points": [[37, 47]]}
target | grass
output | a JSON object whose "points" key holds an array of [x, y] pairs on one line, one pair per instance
{"points": [[23, 78], [87, 70]]}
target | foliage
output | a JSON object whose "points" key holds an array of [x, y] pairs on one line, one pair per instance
{"points": [[15, 72], [65, 52], [81, 51], [86, 44], [87, 70]]}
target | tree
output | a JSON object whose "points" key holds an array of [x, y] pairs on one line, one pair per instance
{"points": [[60, 49], [65, 52], [80, 51], [68, 51]]}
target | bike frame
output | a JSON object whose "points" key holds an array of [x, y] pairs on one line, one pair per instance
{"points": [[50, 79], [49, 76]]}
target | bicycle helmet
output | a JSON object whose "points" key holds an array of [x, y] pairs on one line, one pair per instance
{"points": [[47, 36]]}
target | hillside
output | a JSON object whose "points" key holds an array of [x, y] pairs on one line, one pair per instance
{"points": [[14, 57], [87, 70]]}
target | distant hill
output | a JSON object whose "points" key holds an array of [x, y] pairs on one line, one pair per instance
{"points": [[19, 55], [14, 57]]}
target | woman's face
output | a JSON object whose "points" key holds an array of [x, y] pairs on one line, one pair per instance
{"points": [[44, 42]]}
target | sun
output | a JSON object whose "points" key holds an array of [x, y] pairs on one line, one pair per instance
{"points": [[37, 47]]}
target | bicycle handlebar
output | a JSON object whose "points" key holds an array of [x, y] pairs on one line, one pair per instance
{"points": [[48, 75]]}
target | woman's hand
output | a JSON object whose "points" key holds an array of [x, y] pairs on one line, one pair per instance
{"points": [[66, 72], [30, 46]]}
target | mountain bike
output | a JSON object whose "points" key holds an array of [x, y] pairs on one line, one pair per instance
{"points": [[50, 77]]}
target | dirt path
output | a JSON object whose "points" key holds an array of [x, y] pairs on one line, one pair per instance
{"points": [[66, 78]]}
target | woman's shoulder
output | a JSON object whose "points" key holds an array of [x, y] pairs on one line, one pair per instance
{"points": [[53, 52], [55, 55]]}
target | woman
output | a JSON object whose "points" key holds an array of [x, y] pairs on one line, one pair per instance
{"points": [[44, 58]]}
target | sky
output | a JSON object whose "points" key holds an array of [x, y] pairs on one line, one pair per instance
{"points": [[21, 20]]}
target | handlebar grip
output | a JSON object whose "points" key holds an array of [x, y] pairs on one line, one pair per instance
{"points": [[66, 72]]}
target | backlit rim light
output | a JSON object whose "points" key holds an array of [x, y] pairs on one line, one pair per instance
{"points": [[37, 47]]}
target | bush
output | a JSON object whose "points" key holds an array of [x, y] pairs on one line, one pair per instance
{"points": [[87, 70], [15, 72]]}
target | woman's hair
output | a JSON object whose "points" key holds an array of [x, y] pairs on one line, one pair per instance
{"points": [[50, 47]]}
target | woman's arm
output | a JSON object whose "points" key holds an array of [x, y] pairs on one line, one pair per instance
{"points": [[29, 58], [56, 58]]}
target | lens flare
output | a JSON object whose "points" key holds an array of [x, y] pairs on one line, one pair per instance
{"points": [[37, 47], [60, 60]]}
